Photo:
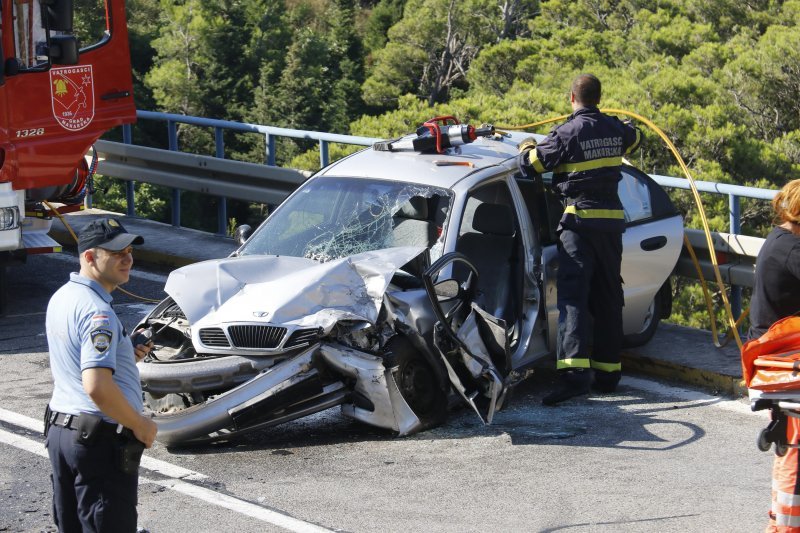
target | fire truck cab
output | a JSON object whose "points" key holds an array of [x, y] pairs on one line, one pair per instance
{"points": [[64, 81]]}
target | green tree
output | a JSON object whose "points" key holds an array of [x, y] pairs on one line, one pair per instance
{"points": [[430, 49]]}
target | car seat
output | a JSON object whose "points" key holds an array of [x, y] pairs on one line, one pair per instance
{"points": [[490, 247], [411, 225]]}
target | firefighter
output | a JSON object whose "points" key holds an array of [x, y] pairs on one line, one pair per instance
{"points": [[585, 154], [776, 295], [94, 428]]}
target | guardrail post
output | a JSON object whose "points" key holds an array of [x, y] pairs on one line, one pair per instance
{"points": [[222, 202], [735, 227], [270, 149], [130, 200], [323, 154], [172, 135]]}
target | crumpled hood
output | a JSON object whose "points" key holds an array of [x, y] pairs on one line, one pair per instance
{"points": [[286, 290]]}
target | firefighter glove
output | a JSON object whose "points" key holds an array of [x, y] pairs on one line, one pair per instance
{"points": [[527, 144], [523, 159]]}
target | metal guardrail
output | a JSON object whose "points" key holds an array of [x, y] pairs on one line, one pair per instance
{"points": [[198, 173], [270, 133], [735, 193], [270, 184]]}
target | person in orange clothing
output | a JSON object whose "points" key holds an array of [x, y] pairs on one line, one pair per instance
{"points": [[776, 295]]}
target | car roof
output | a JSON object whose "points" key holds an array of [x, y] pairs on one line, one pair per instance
{"points": [[407, 165]]}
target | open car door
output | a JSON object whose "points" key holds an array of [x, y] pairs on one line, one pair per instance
{"points": [[472, 343]]}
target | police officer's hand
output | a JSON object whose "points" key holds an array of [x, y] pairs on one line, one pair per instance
{"points": [[142, 343], [145, 431]]}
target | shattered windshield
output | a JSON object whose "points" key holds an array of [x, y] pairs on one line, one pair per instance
{"points": [[330, 218]]}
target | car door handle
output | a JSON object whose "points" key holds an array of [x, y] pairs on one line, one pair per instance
{"points": [[653, 243]]}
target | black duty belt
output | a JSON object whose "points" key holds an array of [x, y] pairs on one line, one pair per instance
{"points": [[106, 428]]}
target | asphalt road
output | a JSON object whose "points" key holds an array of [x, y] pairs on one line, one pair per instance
{"points": [[649, 458]]}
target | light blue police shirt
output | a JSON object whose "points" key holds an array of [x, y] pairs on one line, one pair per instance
{"points": [[84, 332]]}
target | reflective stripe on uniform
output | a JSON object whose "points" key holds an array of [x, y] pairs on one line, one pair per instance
{"points": [[635, 144], [606, 367], [787, 520], [588, 165], [784, 498], [595, 213], [563, 364], [785, 508], [533, 158]]}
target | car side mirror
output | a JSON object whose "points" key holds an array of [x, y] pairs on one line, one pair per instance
{"points": [[63, 50], [447, 290], [242, 233], [59, 16]]}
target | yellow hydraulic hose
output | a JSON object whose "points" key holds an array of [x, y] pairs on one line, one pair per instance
{"points": [[75, 238], [732, 323]]}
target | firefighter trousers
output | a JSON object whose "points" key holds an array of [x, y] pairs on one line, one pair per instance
{"points": [[784, 515], [590, 301]]}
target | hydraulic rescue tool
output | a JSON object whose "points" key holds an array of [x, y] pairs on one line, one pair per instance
{"points": [[437, 135]]}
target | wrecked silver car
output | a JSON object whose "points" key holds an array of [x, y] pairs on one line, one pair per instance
{"points": [[386, 282]]}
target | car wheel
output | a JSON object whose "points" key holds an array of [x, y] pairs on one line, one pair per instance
{"points": [[649, 324], [417, 381]]}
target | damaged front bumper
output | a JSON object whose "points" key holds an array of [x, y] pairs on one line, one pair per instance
{"points": [[296, 388]]}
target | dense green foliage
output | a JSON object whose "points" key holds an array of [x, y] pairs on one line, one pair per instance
{"points": [[720, 77]]}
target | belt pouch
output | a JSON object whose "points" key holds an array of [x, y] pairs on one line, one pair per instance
{"points": [[130, 455], [88, 428]]}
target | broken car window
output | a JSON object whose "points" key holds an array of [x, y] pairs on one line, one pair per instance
{"points": [[330, 218]]}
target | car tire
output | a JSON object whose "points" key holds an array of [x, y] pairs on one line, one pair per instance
{"points": [[649, 325], [417, 381]]}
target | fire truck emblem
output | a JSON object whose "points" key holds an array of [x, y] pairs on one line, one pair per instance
{"points": [[72, 96]]}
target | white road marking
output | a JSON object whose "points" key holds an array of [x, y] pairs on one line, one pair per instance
{"points": [[240, 506], [692, 397], [23, 315], [150, 463], [176, 482]]}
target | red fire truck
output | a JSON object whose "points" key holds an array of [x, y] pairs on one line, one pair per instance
{"points": [[64, 81]]}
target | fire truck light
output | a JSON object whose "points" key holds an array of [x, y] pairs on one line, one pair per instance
{"points": [[9, 218]]}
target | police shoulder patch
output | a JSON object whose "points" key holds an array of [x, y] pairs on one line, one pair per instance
{"points": [[101, 339]]}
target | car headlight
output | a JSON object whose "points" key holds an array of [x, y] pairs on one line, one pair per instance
{"points": [[9, 218]]}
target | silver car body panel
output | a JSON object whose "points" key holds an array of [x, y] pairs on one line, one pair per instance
{"points": [[375, 382], [284, 291]]}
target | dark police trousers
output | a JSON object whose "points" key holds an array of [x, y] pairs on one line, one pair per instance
{"points": [[590, 301], [91, 492]]}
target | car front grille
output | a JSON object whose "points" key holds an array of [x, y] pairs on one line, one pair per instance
{"points": [[302, 337], [256, 336], [214, 337]]}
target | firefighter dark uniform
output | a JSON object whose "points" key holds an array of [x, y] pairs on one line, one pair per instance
{"points": [[585, 154]]}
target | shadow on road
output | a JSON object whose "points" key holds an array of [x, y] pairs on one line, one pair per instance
{"points": [[629, 419]]}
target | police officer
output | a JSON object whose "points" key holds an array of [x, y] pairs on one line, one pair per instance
{"points": [[585, 154], [95, 430]]}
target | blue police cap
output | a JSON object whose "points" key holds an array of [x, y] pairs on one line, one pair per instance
{"points": [[106, 233]]}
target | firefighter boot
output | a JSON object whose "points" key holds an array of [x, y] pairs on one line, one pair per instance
{"points": [[605, 382], [574, 382]]}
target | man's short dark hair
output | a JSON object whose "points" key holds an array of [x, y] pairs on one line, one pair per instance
{"points": [[586, 89]]}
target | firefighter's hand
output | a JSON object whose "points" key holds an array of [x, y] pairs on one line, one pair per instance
{"points": [[527, 144], [524, 160]]}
